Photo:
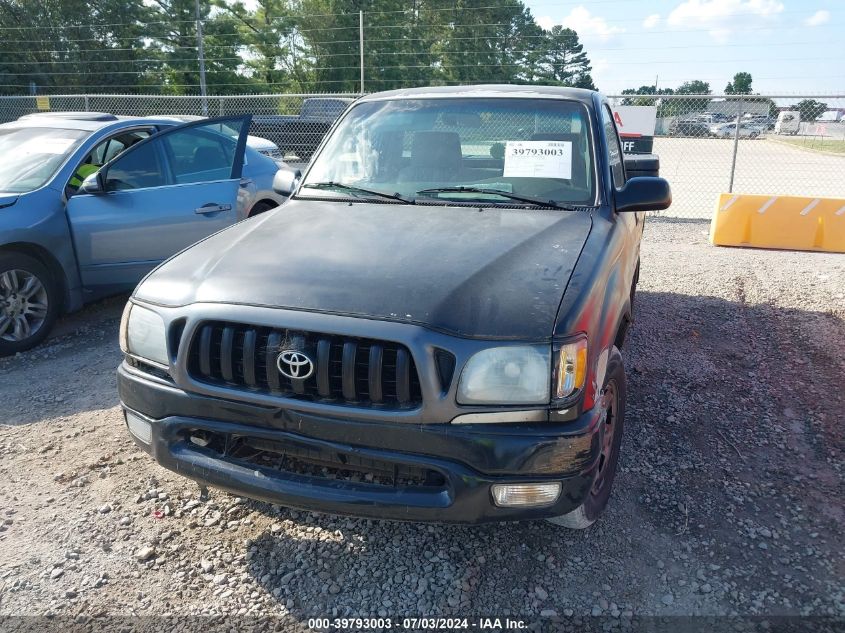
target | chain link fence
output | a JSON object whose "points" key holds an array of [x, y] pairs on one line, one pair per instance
{"points": [[774, 145], [707, 144]]}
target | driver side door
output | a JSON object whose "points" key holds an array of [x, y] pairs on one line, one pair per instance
{"points": [[158, 197]]}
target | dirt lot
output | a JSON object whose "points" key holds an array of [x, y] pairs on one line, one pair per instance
{"points": [[729, 500]]}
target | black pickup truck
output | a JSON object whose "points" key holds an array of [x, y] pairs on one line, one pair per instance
{"points": [[430, 328], [301, 134]]}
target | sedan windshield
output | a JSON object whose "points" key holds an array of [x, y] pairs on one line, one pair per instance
{"points": [[532, 152], [30, 156]]}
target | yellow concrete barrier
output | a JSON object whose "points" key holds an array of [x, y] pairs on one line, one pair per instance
{"points": [[788, 222]]}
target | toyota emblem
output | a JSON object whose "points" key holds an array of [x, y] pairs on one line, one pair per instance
{"points": [[294, 364]]}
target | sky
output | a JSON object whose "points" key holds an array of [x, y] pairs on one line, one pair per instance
{"points": [[788, 46]]}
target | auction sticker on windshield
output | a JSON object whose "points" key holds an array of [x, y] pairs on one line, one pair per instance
{"points": [[538, 159]]}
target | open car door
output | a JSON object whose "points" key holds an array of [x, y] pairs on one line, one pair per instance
{"points": [[156, 198]]}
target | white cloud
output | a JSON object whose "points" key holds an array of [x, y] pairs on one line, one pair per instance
{"points": [[651, 21], [818, 18], [584, 23], [722, 16]]}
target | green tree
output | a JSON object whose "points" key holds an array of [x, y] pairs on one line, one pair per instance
{"points": [[810, 109], [72, 45], [488, 44], [644, 100], [741, 85], [562, 60], [174, 33], [273, 52], [694, 87]]}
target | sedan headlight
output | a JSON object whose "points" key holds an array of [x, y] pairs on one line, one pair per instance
{"points": [[507, 375], [142, 334]]}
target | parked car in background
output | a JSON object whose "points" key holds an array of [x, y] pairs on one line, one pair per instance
{"points": [[300, 135], [710, 118], [759, 121], [429, 329], [788, 122], [267, 148], [91, 202], [259, 144], [728, 130], [830, 116], [692, 128]]}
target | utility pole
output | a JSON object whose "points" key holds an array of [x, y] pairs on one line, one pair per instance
{"points": [[361, 45], [201, 54]]}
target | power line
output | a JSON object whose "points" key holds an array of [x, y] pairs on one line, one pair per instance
{"points": [[378, 53], [770, 27], [410, 66], [354, 15]]}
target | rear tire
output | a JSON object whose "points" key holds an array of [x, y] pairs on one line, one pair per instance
{"points": [[29, 302], [594, 505]]}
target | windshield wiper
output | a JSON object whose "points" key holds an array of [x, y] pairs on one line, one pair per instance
{"points": [[550, 204], [370, 192]]}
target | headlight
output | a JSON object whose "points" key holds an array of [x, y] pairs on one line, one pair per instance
{"points": [[507, 375], [571, 369], [142, 334]]}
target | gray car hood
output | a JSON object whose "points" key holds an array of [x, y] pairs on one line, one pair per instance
{"points": [[492, 273]]}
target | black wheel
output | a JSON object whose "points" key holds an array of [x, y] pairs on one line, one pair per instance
{"points": [[29, 303], [262, 207], [612, 402]]}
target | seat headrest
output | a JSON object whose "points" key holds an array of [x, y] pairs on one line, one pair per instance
{"points": [[436, 149]]}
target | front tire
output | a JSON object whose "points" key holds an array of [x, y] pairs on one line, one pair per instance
{"points": [[29, 303], [261, 207], [612, 400]]}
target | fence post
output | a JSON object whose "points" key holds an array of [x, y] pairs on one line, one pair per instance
{"points": [[736, 145], [221, 106], [87, 105], [361, 46], [201, 55]]}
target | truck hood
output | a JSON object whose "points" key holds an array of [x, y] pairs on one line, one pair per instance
{"points": [[491, 273], [8, 199]]}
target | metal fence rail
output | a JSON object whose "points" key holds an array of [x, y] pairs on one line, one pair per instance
{"points": [[703, 152]]}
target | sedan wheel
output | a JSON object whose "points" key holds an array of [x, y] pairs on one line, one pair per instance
{"points": [[23, 305], [28, 303]]}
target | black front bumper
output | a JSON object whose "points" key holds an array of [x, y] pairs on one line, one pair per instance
{"points": [[468, 459]]}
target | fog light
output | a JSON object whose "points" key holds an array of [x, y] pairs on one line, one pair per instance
{"points": [[139, 427], [506, 495]]}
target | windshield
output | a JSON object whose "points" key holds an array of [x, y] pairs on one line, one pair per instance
{"points": [[30, 156], [466, 150]]}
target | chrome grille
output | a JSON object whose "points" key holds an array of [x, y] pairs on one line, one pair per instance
{"points": [[347, 370]]}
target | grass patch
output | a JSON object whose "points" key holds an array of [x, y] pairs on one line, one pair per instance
{"points": [[818, 144]]}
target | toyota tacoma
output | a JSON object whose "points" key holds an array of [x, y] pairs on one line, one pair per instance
{"points": [[429, 329]]}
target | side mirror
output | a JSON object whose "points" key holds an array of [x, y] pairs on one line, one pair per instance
{"points": [[93, 184], [285, 181], [644, 193]]}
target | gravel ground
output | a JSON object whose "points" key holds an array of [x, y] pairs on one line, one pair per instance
{"points": [[729, 500]]}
